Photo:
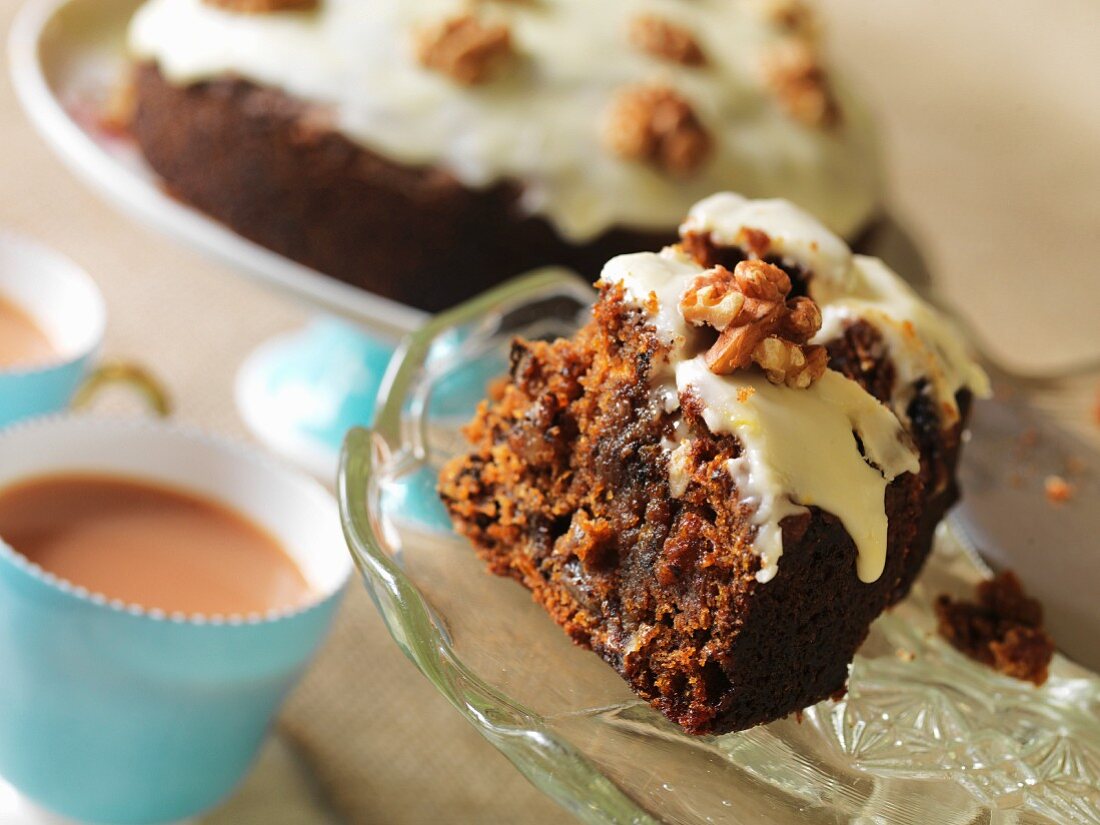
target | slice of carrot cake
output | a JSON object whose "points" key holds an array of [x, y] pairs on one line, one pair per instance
{"points": [[731, 470]]}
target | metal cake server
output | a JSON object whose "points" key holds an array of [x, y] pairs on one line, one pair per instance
{"points": [[1018, 440], [1016, 445]]}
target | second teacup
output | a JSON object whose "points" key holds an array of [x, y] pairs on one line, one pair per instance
{"points": [[52, 322], [64, 305]]}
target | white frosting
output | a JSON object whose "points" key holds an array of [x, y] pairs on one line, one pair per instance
{"points": [[798, 451], [796, 236], [797, 445], [921, 342], [539, 123]]}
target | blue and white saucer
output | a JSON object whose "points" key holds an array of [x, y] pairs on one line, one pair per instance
{"points": [[300, 393]]}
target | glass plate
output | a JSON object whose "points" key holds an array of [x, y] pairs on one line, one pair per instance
{"points": [[923, 736]]}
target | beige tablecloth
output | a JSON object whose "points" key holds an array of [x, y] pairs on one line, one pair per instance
{"points": [[991, 115]]}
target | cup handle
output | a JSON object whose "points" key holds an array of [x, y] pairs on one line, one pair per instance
{"points": [[131, 376]]}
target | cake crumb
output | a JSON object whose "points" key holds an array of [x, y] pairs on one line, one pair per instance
{"points": [[464, 49], [666, 40], [1058, 490], [1002, 628]]}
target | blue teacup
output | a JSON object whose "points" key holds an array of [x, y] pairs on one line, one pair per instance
{"points": [[113, 713], [65, 303]]}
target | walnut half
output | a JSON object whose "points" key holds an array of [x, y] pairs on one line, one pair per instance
{"points": [[756, 322], [655, 124], [665, 40], [465, 49], [793, 72]]}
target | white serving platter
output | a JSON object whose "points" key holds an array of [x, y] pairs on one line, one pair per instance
{"points": [[67, 57]]}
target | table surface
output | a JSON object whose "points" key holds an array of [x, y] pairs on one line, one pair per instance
{"points": [[990, 115]]}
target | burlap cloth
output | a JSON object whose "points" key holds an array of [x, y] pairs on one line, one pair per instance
{"points": [[991, 115]]}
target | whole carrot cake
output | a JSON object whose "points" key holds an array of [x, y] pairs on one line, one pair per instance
{"points": [[731, 470], [425, 149]]}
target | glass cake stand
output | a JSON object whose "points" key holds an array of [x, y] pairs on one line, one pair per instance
{"points": [[923, 736]]}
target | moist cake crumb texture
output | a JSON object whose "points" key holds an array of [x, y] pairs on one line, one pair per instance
{"points": [[722, 538]]}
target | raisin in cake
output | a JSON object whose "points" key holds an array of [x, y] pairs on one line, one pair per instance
{"points": [[731, 470], [425, 149]]}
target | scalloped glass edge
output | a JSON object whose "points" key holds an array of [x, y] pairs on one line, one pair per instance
{"points": [[554, 766]]}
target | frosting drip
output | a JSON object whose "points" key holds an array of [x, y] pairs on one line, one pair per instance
{"points": [[798, 450], [799, 446], [920, 340], [539, 123]]}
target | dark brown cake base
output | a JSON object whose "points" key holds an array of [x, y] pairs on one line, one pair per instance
{"points": [[272, 169], [566, 490]]}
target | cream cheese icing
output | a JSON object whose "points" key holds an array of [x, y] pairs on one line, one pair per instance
{"points": [[798, 445], [921, 341], [540, 124], [798, 450]]}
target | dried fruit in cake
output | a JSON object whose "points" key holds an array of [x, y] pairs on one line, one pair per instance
{"points": [[723, 539]]}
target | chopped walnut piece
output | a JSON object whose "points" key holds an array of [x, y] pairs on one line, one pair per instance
{"points": [[765, 288], [749, 307], [762, 281], [263, 6], [664, 39], [465, 49], [712, 299], [802, 321], [655, 124], [793, 71], [785, 362]]}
